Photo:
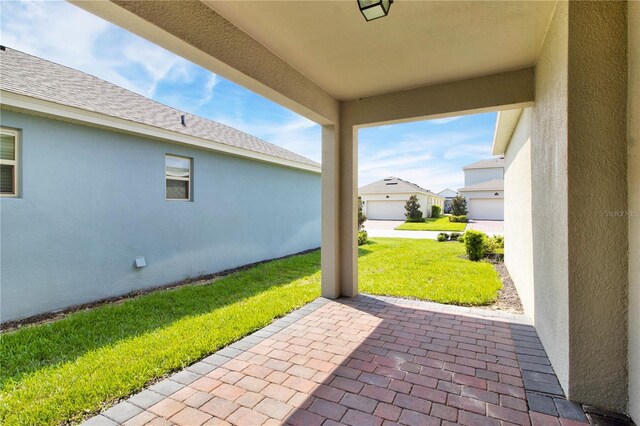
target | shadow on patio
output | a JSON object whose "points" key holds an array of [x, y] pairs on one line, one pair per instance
{"points": [[367, 360]]}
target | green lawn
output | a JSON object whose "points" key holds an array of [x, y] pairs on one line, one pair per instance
{"points": [[433, 224], [426, 269], [59, 372], [56, 372]]}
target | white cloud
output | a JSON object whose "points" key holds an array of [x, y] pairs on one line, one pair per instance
{"points": [[444, 120], [467, 151], [63, 33]]}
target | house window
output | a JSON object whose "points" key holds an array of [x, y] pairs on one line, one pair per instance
{"points": [[8, 163], [178, 177]]}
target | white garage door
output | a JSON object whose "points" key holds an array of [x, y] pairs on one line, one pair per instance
{"points": [[386, 210], [486, 208]]}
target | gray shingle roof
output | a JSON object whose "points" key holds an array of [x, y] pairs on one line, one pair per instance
{"points": [[41, 79], [486, 164], [489, 185], [393, 185]]}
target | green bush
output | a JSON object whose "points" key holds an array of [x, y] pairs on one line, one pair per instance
{"points": [[474, 242], [461, 239], [435, 211], [459, 206], [454, 236], [458, 219], [417, 220], [494, 244], [413, 214], [442, 237], [361, 217], [363, 237]]}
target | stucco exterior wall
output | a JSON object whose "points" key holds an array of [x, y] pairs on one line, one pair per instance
{"points": [[633, 173], [93, 200], [597, 182], [473, 176], [549, 194], [518, 231], [425, 201], [483, 194]]}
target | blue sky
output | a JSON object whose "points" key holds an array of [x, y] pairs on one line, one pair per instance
{"points": [[429, 153]]}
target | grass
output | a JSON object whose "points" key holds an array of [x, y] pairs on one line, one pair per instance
{"points": [[432, 224], [54, 373], [428, 270], [62, 371]]}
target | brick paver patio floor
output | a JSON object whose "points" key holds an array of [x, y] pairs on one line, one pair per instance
{"points": [[365, 361]]}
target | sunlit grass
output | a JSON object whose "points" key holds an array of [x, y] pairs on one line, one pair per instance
{"points": [[428, 270], [55, 372], [433, 224]]}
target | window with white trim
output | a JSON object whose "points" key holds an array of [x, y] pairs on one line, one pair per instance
{"points": [[177, 172], [8, 163]]}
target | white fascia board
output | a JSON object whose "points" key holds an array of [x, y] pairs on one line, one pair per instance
{"points": [[22, 103], [505, 126]]}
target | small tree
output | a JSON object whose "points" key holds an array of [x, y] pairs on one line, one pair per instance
{"points": [[412, 207], [459, 206], [435, 211], [361, 216]]}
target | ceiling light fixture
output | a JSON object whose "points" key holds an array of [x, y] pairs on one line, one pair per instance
{"points": [[374, 9]]}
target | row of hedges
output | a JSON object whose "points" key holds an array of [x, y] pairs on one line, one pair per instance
{"points": [[460, 219], [454, 236]]}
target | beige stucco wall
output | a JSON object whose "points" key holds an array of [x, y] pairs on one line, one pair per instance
{"points": [[597, 182], [518, 213], [549, 194], [633, 172]]}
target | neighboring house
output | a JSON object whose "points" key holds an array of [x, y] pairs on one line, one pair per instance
{"points": [[386, 198], [95, 178], [484, 189], [448, 194]]}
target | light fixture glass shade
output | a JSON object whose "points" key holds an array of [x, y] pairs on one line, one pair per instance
{"points": [[374, 9]]}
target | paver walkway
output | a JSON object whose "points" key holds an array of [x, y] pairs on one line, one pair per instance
{"points": [[365, 361]]}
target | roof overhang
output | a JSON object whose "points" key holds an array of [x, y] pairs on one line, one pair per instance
{"points": [[404, 192], [29, 105], [505, 125]]}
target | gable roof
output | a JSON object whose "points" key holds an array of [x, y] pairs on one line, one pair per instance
{"points": [[491, 163], [37, 78], [393, 185], [448, 192], [489, 185]]}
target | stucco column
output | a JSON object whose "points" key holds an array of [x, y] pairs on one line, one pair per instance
{"points": [[330, 213], [597, 203], [348, 162], [339, 211]]}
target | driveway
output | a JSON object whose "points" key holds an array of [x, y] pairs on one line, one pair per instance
{"points": [[489, 227], [386, 229]]}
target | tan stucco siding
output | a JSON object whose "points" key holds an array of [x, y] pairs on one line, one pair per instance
{"points": [[518, 224], [549, 194], [597, 156], [633, 173]]}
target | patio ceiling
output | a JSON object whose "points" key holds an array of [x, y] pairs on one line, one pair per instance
{"points": [[418, 44]]}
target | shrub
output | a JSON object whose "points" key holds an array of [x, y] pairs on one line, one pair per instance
{"points": [[435, 211], [363, 237], [459, 206], [494, 246], [442, 237], [361, 216], [461, 239], [412, 207], [474, 242], [454, 236], [461, 219]]}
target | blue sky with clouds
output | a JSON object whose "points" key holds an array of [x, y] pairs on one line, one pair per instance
{"points": [[429, 153]]}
